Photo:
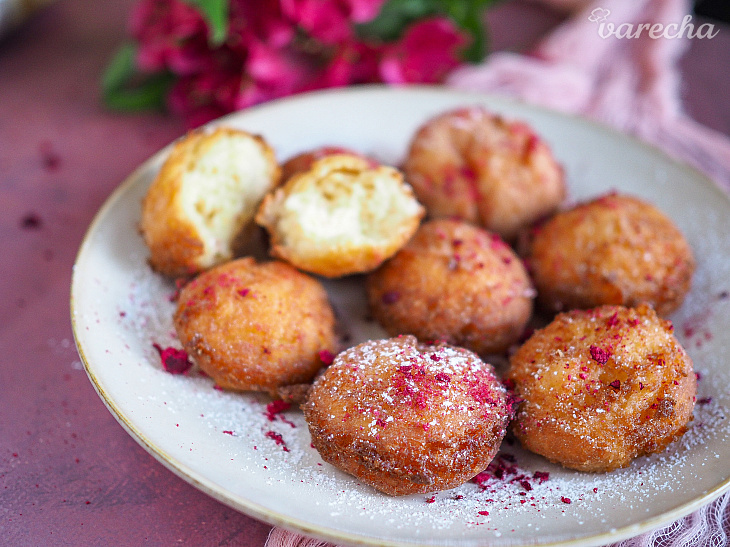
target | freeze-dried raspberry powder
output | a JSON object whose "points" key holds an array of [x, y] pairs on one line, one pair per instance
{"points": [[600, 356], [31, 221], [326, 356], [276, 407], [278, 439], [174, 361]]}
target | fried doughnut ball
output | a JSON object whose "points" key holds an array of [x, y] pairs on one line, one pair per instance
{"points": [[340, 217], [602, 387], [406, 417], [476, 165], [256, 326], [615, 249], [303, 162], [454, 282], [204, 198]]}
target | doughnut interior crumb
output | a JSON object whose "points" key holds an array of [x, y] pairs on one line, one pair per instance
{"points": [[221, 189], [204, 197], [342, 216]]}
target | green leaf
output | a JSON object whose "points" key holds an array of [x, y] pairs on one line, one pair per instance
{"points": [[470, 17], [395, 16], [215, 13], [124, 88], [120, 69], [149, 94]]}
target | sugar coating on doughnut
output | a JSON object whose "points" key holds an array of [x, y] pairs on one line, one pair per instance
{"points": [[406, 417], [601, 387], [476, 165], [304, 160], [454, 282], [256, 326], [615, 249]]}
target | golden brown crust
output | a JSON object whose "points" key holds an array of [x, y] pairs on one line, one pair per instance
{"points": [[453, 282], [340, 217], [615, 249], [602, 387], [476, 165], [177, 247], [408, 418], [304, 161], [256, 326], [293, 394]]}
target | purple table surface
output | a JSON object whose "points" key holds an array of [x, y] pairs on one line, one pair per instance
{"points": [[69, 474]]}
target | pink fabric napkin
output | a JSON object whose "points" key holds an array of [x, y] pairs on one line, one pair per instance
{"points": [[632, 84]]}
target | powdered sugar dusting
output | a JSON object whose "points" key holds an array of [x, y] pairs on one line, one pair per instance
{"points": [[219, 440], [237, 429]]}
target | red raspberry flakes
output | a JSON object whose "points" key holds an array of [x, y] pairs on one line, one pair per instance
{"points": [[31, 221], [541, 476], [49, 157], [326, 356], [276, 407], [443, 377], [174, 361], [600, 356], [277, 438]]}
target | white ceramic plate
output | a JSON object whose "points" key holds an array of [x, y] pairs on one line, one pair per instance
{"points": [[218, 441]]}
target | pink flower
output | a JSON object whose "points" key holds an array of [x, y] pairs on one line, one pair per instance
{"points": [[362, 11], [262, 20], [323, 20], [274, 48], [211, 91], [330, 21], [251, 93], [203, 97], [171, 35], [428, 50], [352, 63], [282, 70]]}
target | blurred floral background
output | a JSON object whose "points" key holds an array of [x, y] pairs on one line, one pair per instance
{"points": [[205, 58]]}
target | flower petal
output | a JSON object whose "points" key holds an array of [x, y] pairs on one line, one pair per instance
{"points": [[426, 53]]}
